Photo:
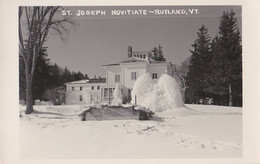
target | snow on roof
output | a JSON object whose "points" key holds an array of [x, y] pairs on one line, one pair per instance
{"points": [[85, 81], [79, 81]]}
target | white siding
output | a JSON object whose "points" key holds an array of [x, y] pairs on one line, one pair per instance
{"points": [[157, 68], [73, 97], [111, 72], [140, 69]]}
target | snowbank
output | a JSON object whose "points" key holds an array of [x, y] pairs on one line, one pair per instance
{"points": [[56, 132], [158, 96]]}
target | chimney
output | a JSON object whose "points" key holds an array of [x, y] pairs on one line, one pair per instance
{"points": [[129, 51]]}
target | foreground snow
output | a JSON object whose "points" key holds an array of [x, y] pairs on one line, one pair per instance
{"points": [[195, 131]]}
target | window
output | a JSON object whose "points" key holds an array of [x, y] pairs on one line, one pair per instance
{"points": [[141, 56], [72, 88], [110, 92], [80, 98], [98, 87], [133, 75], [117, 78], [80, 88], [144, 56], [92, 87], [154, 76], [105, 92]]}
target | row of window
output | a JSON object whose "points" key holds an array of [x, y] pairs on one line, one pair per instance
{"points": [[133, 76], [117, 80], [141, 56], [81, 88], [91, 97]]}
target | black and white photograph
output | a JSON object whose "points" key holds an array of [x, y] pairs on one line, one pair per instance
{"points": [[151, 82], [130, 82]]}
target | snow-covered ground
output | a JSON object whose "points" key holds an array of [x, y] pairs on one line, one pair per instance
{"points": [[193, 131]]}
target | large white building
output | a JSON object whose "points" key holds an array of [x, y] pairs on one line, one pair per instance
{"points": [[123, 73]]}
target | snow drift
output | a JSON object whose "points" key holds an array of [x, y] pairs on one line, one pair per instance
{"points": [[158, 96]]}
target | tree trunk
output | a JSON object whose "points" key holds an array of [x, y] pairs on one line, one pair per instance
{"points": [[29, 98], [230, 95]]}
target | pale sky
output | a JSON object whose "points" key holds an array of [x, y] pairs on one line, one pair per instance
{"points": [[100, 40]]}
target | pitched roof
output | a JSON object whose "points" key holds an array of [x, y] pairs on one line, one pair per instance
{"points": [[98, 80], [129, 60], [115, 64]]}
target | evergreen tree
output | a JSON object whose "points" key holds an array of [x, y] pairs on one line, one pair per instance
{"points": [[78, 76], [56, 76], [157, 54], [198, 68], [225, 80], [66, 76], [154, 53], [42, 77]]}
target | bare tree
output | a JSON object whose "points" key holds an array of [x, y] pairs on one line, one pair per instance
{"points": [[180, 76], [181, 72], [34, 26]]}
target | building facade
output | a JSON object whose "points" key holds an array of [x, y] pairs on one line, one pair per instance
{"points": [[123, 74]]}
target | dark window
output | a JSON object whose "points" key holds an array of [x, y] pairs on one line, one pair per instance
{"points": [[141, 56], [98, 87], [133, 75], [80, 98], [80, 88], [144, 56], [72, 88], [154, 76], [105, 92], [117, 78], [92, 87]]}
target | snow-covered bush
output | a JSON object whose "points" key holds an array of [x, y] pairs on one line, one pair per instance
{"points": [[142, 88], [118, 99], [158, 96]]}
